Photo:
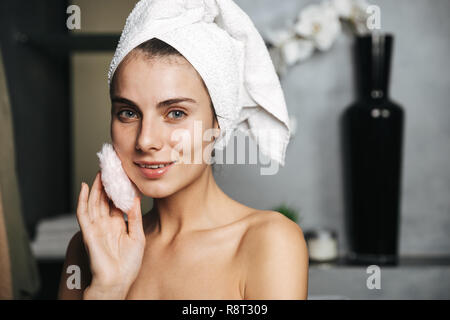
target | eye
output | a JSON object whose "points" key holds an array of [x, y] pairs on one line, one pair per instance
{"points": [[177, 114], [127, 114]]}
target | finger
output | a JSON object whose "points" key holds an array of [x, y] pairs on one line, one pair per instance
{"points": [[135, 229], [104, 204], [82, 214], [94, 198], [117, 217], [115, 211]]}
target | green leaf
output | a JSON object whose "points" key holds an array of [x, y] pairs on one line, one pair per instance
{"points": [[289, 212]]}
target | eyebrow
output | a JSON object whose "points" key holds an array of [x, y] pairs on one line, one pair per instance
{"points": [[161, 104]]}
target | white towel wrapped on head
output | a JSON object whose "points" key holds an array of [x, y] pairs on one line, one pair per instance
{"points": [[223, 45]]}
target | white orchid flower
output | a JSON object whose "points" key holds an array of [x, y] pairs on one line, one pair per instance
{"points": [[359, 15], [319, 23], [317, 26], [279, 36], [343, 7], [296, 50]]}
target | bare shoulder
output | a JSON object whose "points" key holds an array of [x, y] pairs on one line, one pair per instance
{"points": [[273, 226], [275, 256], [75, 275]]}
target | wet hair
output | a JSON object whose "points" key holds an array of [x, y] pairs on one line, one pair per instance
{"points": [[156, 48]]}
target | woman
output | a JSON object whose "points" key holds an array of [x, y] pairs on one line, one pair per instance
{"points": [[196, 242]]}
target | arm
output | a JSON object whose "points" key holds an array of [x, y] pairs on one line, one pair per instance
{"points": [[75, 255], [277, 261]]}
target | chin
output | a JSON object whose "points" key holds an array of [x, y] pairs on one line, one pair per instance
{"points": [[157, 188], [157, 194], [153, 189], [168, 185]]}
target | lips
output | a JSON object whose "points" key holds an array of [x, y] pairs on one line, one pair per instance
{"points": [[154, 173]]}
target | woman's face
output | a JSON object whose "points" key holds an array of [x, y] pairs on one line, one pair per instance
{"points": [[155, 103]]}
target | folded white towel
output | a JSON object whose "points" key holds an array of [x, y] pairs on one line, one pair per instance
{"points": [[223, 45]]}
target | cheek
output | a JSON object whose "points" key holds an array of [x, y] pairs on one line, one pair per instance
{"points": [[181, 137], [122, 135], [123, 140], [115, 131], [195, 143]]}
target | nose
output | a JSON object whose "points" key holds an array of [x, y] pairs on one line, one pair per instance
{"points": [[149, 136]]}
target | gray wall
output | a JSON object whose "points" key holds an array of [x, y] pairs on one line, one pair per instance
{"points": [[318, 90]]}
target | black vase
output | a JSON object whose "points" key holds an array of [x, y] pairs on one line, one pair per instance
{"points": [[372, 137]]}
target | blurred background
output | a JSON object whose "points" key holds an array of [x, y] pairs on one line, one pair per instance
{"points": [[56, 85]]}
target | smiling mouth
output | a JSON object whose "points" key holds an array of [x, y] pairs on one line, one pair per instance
{"points": [[154, 166]]}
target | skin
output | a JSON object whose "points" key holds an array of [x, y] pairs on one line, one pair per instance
{"points": [[196, 242]]}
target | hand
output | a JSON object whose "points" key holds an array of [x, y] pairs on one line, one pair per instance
{"points": [[115, 253]]}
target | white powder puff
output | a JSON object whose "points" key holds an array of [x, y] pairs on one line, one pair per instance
{"points": [[117, 185]]}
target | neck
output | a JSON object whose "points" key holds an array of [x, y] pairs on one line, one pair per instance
{"points": [[193, 208]]}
